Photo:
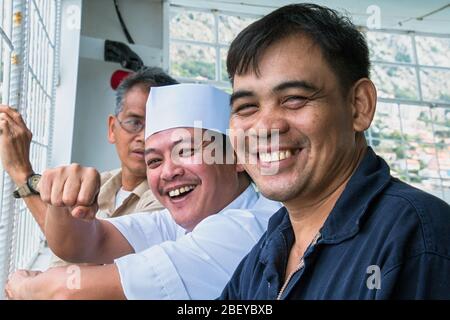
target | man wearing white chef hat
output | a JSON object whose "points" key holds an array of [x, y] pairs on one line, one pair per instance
{"points": [[187, 251]]}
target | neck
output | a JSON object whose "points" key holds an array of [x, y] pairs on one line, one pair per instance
{"points": [[243, 183], [308, 214], [130, 181]]}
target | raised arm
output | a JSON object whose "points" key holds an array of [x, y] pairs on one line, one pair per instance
{"points": [[15, 139], [73, 233]]}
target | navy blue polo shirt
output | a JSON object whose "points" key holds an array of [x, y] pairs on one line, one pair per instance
{"points": [[384, 239]]}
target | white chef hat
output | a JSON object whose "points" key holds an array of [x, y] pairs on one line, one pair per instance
{"points": [[187, 105]]}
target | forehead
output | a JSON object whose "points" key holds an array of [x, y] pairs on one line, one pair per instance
{"points": [[165, 140], [135, 100], [294, 58]]}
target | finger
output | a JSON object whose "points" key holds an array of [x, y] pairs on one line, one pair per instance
{"points": [[33, 273], [4, 129], [86, 213], [57, 190], [9, 116], [58, 211], [7, 123], [16, 124], [11, 112], [71, 190], [7, 109], [44, 187], [17, 117], [8, 293], [90, 186]]}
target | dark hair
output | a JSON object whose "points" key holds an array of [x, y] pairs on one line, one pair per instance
{"points": [[146, 77], [342, 45]]}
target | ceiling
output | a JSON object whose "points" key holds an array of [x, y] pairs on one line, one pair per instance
{"points": [[393, 14]]}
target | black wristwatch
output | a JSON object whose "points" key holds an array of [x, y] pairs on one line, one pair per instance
{"points": [[29, 188]]}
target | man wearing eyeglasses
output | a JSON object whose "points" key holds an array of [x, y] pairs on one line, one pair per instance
{"points": [[124, 190]]}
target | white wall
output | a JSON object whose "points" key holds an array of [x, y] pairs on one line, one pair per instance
{"points": [[142, 17], [95, 98], [63, 129], [94, 102]]}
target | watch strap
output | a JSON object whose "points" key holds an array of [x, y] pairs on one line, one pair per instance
{"points": [[22, 191], [28, 188]]}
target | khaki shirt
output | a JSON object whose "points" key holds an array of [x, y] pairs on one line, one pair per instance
{"points": [[141, 199]]}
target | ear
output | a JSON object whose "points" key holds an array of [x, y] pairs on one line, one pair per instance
{"points": [[364, 100], [111, 125]]}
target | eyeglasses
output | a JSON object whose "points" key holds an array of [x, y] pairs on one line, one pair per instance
{"points": [[132, 124]]}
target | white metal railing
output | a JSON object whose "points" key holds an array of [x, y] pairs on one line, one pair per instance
{"points": [[30, 64], [12, 81]]}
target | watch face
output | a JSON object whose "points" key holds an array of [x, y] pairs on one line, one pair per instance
{"points": [[33, 182]]}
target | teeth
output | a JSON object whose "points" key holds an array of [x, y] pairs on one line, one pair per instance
{"points": [[275, 156], [177, 192]]}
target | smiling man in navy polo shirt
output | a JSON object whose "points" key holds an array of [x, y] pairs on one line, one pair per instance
{"points": [[349, 230]]}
